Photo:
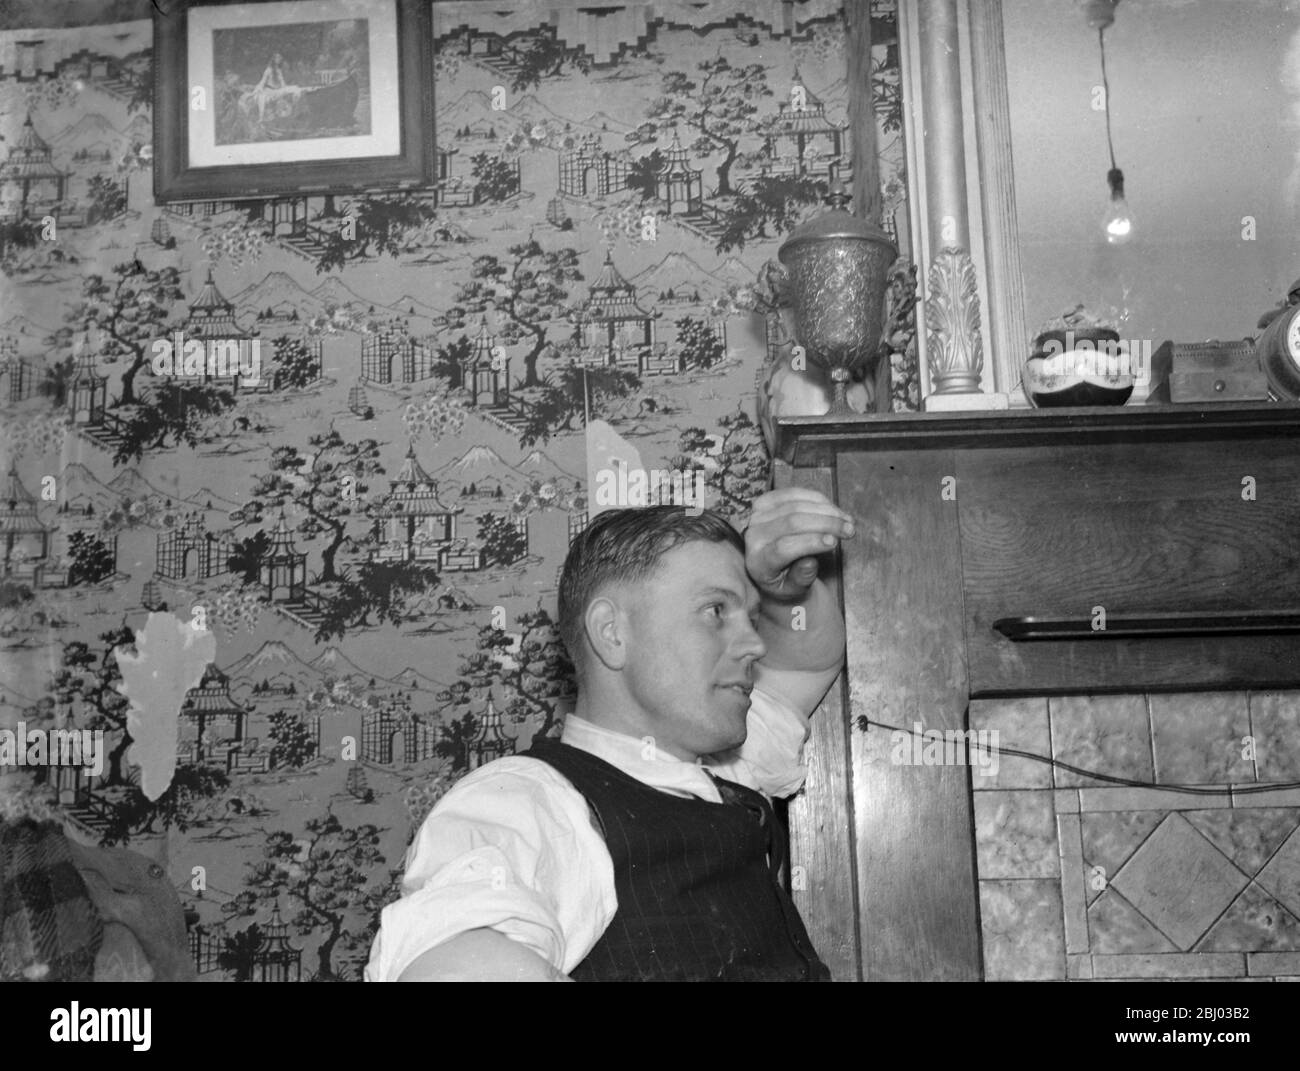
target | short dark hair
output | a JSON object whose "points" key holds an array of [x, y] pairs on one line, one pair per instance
{"points": [[623, 545]]}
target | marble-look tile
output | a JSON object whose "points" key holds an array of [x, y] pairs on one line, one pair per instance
{"points": [[1198, 738], [1106, 733], [1023, 936], [1179, 881], [1109, 838], [1275, 725], [1247, 836], [1074, 897], [1115, 926], [1254, 922], [1015, 835], [1078, 968], [1019, 724], [1281, 876], [1067, 800], [1151, 799], [1273, 963], [1278, 797], [1171, 965]]}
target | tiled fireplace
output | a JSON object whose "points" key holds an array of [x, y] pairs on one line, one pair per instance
{"points": [[1084, 879], [1113, 589]]}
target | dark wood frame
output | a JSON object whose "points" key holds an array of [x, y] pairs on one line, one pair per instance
{"points": [[175, 180]]}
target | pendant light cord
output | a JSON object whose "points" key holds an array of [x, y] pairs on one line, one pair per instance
{"points": [[1105, 86]]}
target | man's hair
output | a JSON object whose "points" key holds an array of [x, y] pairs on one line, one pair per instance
{"points": [[625, 546]]}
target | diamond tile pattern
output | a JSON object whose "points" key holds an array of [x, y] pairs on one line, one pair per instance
{"points": [[1254, 923], [1109, 838], [1116, 927], [1153, 884], [1179, 881], [1248, 836], [1282, 875]]}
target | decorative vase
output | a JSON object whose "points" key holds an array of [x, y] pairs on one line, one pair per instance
{"points": [[784, 390], [837, 271]]}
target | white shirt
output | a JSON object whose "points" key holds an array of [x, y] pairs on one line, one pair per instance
{"points": [[512, 846]]}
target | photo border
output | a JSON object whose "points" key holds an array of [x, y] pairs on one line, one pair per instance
{"points": [[175, 180]]}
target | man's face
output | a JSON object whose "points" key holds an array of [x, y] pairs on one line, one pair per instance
{"points": [[692, 648]]}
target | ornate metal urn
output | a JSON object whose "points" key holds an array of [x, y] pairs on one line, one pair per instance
{"points": [[837, 269]]}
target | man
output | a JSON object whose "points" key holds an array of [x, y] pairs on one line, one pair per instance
{"points": [[636, 847]]}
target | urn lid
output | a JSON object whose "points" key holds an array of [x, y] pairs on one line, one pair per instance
{"points": [[838, 224]]}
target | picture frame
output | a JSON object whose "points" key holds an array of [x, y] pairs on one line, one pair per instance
{"points": [[316, 121]]}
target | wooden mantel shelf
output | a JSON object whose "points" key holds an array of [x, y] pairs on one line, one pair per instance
{"points": [[986, 544], [815, 440]]}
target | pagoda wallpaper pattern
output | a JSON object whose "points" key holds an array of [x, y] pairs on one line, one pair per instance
{"points": [[372, 525]]}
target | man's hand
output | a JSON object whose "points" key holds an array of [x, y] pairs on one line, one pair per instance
{"points": [[787, 530], [799, 618]]}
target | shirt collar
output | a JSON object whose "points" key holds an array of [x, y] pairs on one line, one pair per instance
{"points": [[639, 758]]}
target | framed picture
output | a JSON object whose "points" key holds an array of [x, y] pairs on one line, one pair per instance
{"points": [[275, 97]]}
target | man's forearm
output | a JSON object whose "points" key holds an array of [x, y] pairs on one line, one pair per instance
{"points": [[481, 956], [806, 635], [805, 647]]}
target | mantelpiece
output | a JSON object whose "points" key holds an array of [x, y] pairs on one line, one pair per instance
{"points": [[1178, 515]]}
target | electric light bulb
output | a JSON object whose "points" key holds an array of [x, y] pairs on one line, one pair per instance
{"points": [[1118, 221]]}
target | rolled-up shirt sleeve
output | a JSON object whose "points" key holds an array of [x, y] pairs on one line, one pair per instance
{"points": [[771, 758], [511, 848]]}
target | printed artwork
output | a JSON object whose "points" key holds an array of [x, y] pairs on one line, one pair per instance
{"points": [[284, 83], [344, 436], [303, 80]]}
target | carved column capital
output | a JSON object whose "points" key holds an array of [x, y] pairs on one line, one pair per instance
{"points": [[952, 318], [953, 352]]}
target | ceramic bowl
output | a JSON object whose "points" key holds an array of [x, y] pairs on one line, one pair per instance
{"points": [[1093, 373], [1045, 389]]}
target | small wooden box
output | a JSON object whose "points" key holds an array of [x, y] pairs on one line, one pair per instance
{"points": [[1211, 372]]}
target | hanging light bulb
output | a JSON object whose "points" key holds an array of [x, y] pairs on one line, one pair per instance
{"points": [[1118, 221]]}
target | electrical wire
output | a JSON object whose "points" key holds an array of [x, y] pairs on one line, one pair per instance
{"points": [[1105, 88], [1191, 790]]}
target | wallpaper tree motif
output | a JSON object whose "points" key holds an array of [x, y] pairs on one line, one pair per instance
{"points": [[372, 525]]}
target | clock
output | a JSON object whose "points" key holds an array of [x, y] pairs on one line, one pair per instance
{"points": [[1278, 349]]}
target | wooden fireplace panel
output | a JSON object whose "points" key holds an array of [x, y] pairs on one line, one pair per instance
{"points": [[1138, 530], [917, 651], [906, 664], [822, 842]]}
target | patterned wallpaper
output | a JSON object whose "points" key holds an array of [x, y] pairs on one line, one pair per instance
{"points": [[372, 531]]}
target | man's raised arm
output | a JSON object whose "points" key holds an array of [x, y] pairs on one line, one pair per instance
{"points": [[799, 618]]}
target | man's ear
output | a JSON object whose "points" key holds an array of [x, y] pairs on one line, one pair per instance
{"points": [[605, 632]]}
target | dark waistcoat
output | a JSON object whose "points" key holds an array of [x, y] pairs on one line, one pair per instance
{"points": [[698, 898]]}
